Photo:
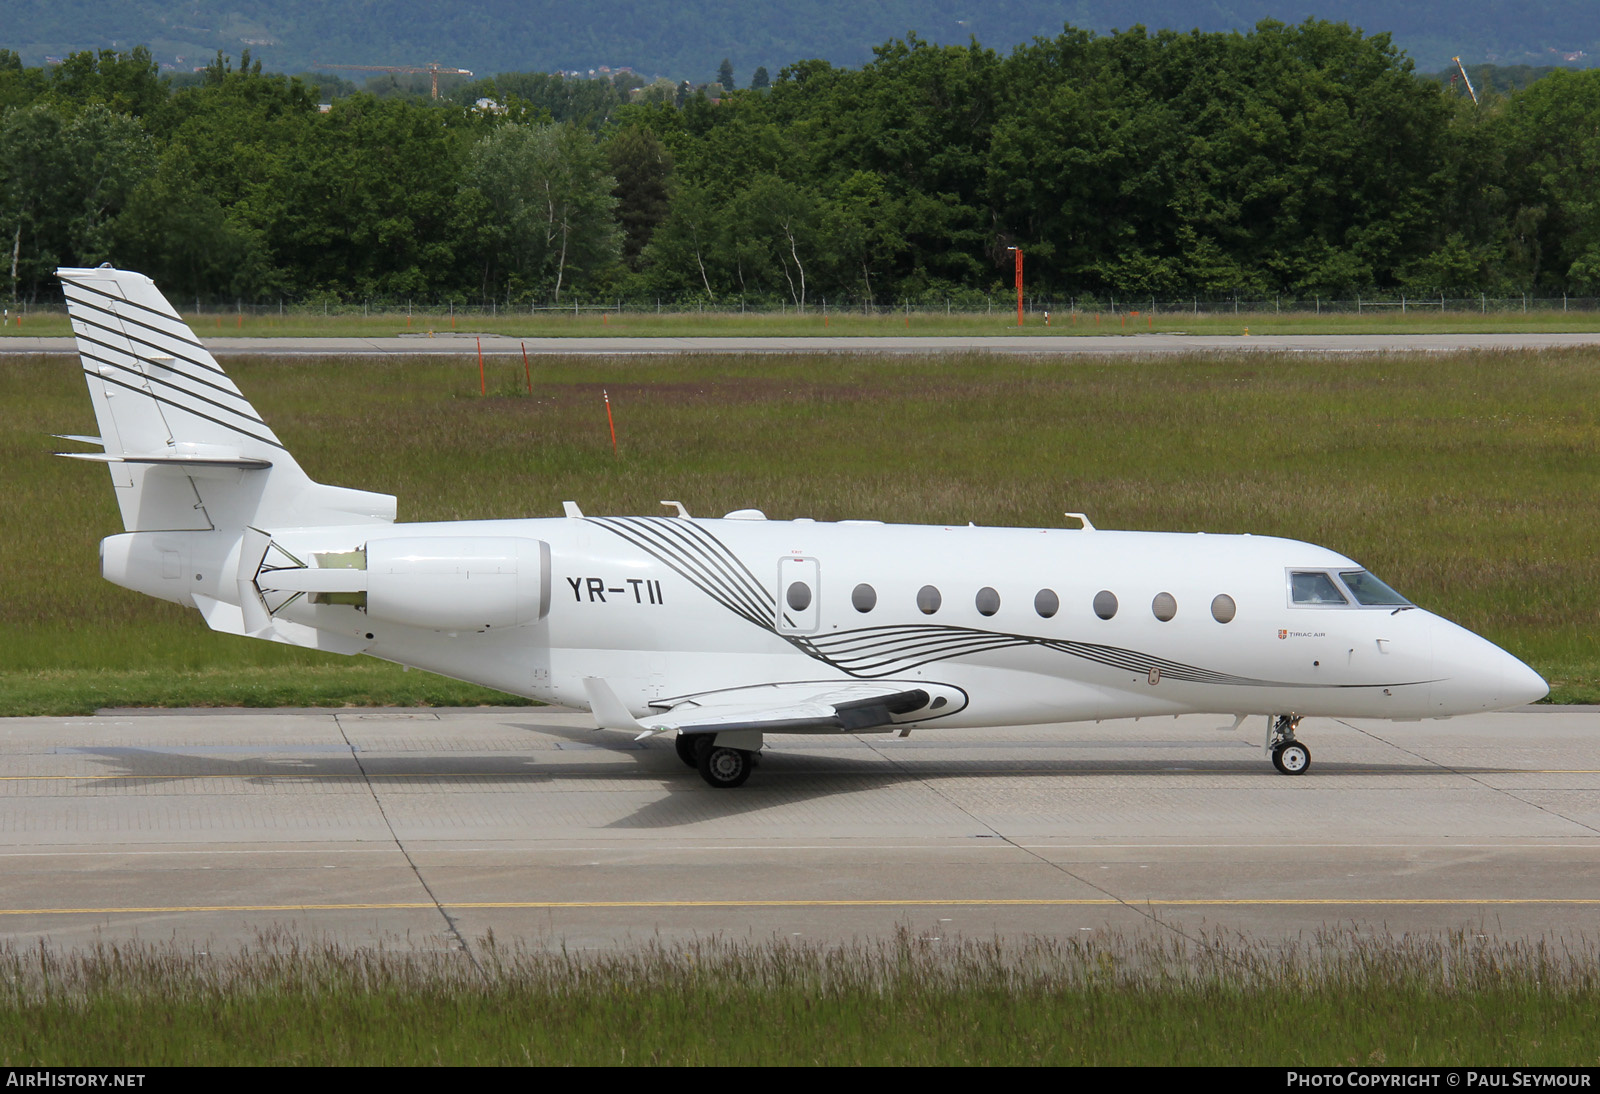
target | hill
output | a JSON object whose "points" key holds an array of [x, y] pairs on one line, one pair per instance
{"points": [[686, 39]]}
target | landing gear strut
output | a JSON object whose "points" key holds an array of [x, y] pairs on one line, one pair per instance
{"points": [[1289, 756]]}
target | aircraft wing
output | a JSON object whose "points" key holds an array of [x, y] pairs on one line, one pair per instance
{"points": [[817, 707]]}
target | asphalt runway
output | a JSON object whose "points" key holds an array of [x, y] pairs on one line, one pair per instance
{"points": [[466, 342], [429, 828]]}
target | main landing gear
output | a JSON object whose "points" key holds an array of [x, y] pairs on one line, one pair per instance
{"points": [[1289, 756], [719, 765]]}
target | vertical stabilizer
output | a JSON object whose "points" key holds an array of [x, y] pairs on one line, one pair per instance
{"points": [[185, 448]]}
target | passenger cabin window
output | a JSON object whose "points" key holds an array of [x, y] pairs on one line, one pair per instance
{"points": [[1223, 609], [1164, 607], [1370, 592], [1105, 603], [799, 596], [1046, 603], [987, 600], [864, 597], [1314, 588], [928, 600]]}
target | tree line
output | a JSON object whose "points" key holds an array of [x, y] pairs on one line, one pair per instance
{"points": [[1301, 160]]}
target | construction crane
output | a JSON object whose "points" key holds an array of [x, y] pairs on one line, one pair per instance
{"points": [[432, 68], [1467, 78]]}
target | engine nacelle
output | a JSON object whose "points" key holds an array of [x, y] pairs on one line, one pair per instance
{"points": [[458, 583]]}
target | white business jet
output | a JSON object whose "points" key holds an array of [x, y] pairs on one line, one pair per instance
{"points": [[723, 632]]}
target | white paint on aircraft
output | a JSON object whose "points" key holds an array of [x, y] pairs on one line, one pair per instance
{"points": [[724, 631]]}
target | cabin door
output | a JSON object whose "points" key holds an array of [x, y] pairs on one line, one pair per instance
{"points": [[799, 607]]}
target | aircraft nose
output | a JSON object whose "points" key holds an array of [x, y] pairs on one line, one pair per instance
{"points": [[1475, 674]]}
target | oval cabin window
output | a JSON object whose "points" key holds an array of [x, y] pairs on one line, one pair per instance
{"points": [[988, 601], [1165, 606]]}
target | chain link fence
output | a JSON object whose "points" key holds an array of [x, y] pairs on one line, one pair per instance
{"points": [[219, 312]]}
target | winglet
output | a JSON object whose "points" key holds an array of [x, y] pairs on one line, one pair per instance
{"points": [[609, 712]]}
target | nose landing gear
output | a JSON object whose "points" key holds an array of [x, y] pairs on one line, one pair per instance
{"points": [[1288, 755]]}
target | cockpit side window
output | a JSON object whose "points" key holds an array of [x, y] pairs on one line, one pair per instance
{"points": [[1370, 592], [1314, 587]]}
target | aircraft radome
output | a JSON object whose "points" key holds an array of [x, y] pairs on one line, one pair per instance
{"points": [[725, 632]]}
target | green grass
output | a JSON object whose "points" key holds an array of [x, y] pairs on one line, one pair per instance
{"points": [[812, 322], [1471, 482], [1340, 999]]}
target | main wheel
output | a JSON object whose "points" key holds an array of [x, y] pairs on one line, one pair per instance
{"points": [[684, 743], [1291, 758], [726, 768]]}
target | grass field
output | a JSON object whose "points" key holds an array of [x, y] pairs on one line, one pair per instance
{"points": [[928, 321], [1339, 999], [1468, 481]]}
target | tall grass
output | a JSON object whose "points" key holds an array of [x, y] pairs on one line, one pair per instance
{"points": [[1468, 481], [1335, 998]]}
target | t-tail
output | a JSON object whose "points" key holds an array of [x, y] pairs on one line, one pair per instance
{"points": [[198, 475]]}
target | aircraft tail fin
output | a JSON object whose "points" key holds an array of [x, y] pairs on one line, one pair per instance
{"points": [[186, 449]]}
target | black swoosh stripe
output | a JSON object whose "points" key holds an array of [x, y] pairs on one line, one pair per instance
{"points": [[729, 564], [691, 566], [227, 389], [252, 419], [174, 317], [121, 331], [694, 561], [886, 650], [687, 567], [185, 409]]}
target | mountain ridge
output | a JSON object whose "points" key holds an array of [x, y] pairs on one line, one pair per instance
{"points": [[688, 38]]}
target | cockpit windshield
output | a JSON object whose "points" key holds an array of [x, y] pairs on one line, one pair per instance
{"points": [[1315, 587], [1370, 592]]}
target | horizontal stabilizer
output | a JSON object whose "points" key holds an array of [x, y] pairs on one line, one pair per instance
{"points": [[173, 459], [79, 438]]}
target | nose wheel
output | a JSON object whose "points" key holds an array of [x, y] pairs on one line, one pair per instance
{"points": [[1289, 756]]}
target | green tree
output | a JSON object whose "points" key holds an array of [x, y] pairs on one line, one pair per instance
{"points": [[642, 167], [759, 80], [547, 210], [64, 179], [1552, 135], [725, 74]]}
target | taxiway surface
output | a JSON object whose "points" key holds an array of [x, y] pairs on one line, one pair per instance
{"points": [[465, 342], [432, 827]]}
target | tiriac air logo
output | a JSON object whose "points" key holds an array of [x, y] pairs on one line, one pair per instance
{"points": [[1283, 634]]}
